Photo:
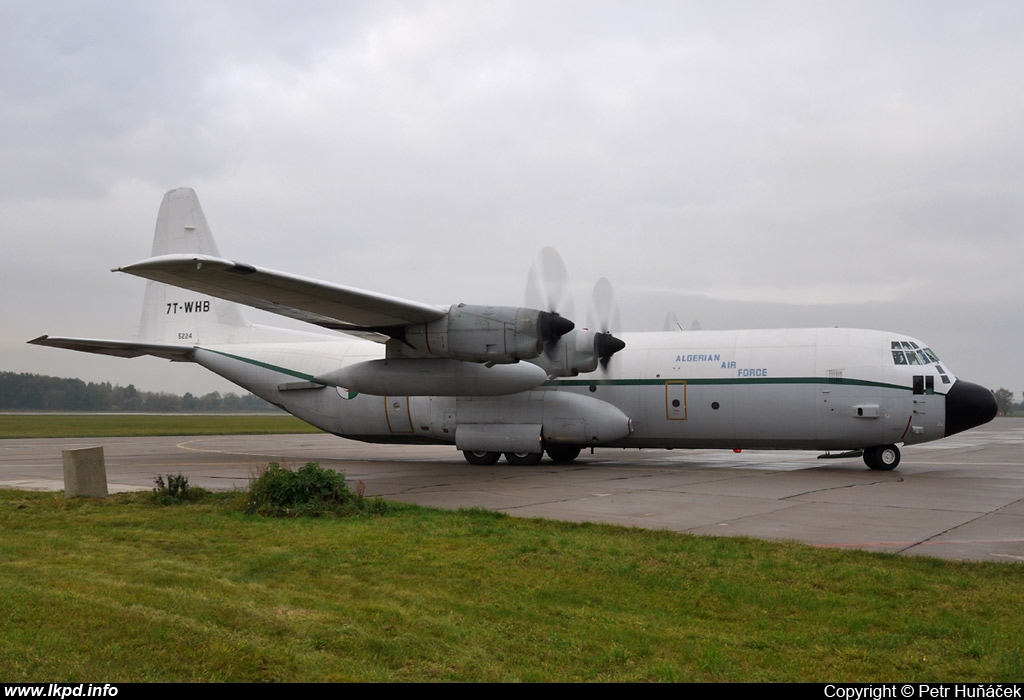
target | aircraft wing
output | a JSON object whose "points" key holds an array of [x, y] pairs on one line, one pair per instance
{"points": [[118, 348], [324, 304]]}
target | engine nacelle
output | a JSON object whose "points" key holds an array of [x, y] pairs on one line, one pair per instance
{"points": [[577, 352], [573, 354], [491, 334]]}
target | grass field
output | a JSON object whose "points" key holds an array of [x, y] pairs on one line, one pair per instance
{"points": [[124, 590], [45, 425]]}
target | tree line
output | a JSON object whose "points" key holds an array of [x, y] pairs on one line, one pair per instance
{"points": [[36, 392]]}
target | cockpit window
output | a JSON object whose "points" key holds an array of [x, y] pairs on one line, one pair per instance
{"points": [[905, 352]]}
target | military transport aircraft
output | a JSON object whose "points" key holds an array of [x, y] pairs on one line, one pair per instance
{"points": [[493, 380]]}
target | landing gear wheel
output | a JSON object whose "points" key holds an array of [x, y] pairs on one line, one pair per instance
{"points": [[885, 458], [481, 459], [523, 459], [562, 454]]}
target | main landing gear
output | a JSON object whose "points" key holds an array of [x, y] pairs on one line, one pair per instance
{"points": [[559, 454], [481, 459], [885, 458], [523, 459]]}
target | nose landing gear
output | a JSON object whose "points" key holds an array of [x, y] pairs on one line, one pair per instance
{"points": [[884, 458]]}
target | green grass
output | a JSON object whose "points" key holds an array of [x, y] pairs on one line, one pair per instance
{"points": [[124, 590], [44, 425]]}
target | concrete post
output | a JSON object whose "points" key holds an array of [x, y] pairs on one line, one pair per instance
{"points": [[85, 473]]}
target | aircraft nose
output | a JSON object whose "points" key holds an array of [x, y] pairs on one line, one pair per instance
{"points": [[967, 406]]}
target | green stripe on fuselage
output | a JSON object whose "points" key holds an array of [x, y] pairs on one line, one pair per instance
{"points": [[584, 383], [264, 365], [721, 382]]}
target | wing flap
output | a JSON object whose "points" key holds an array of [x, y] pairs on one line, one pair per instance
{"points": [[118, 348], [322, 303]]}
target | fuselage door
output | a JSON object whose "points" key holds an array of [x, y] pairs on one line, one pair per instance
{"points": [[396, 410], [675, 400]]}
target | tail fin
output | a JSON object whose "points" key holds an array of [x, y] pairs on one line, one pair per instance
{"points": [[174, 320], [174, 315]]}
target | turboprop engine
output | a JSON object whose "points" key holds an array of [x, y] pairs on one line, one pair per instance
{"points": [[579, 351], [470, 351], [490, 334]]}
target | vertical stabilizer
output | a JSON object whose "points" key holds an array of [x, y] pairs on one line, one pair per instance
{"points": [[174, 315]]}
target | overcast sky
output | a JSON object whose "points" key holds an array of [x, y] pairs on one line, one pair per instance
{"points": [[747, 164]]}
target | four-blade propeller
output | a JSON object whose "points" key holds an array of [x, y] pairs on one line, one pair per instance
{"points": [[604, 318], [547, 288]]}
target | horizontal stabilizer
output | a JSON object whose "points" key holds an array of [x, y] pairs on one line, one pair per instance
{"points": [[324, 304], [118, 348]]}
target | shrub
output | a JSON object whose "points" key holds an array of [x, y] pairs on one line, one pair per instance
{"points": [[309, 490], [175, 490]]}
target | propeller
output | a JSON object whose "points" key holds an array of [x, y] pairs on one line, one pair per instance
{"points": [[605, 319], [551, 327], [547, 289], [547, 284], [604, 313]]}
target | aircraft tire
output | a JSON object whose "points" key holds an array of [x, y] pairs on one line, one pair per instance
{"points": [[481, 459], [885, 458], [523, 459], [562, 454]]}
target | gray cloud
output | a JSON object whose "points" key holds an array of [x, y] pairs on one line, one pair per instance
{"points": [[857, 162]]}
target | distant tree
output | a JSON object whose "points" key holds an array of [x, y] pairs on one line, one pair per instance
{"points": [[1004, 397], [129, 398], [161, 402], [189, 402], [230, 402], [210, 402]]}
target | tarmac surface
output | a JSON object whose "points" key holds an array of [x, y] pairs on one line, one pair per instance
{"points": [[958, 498]]}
